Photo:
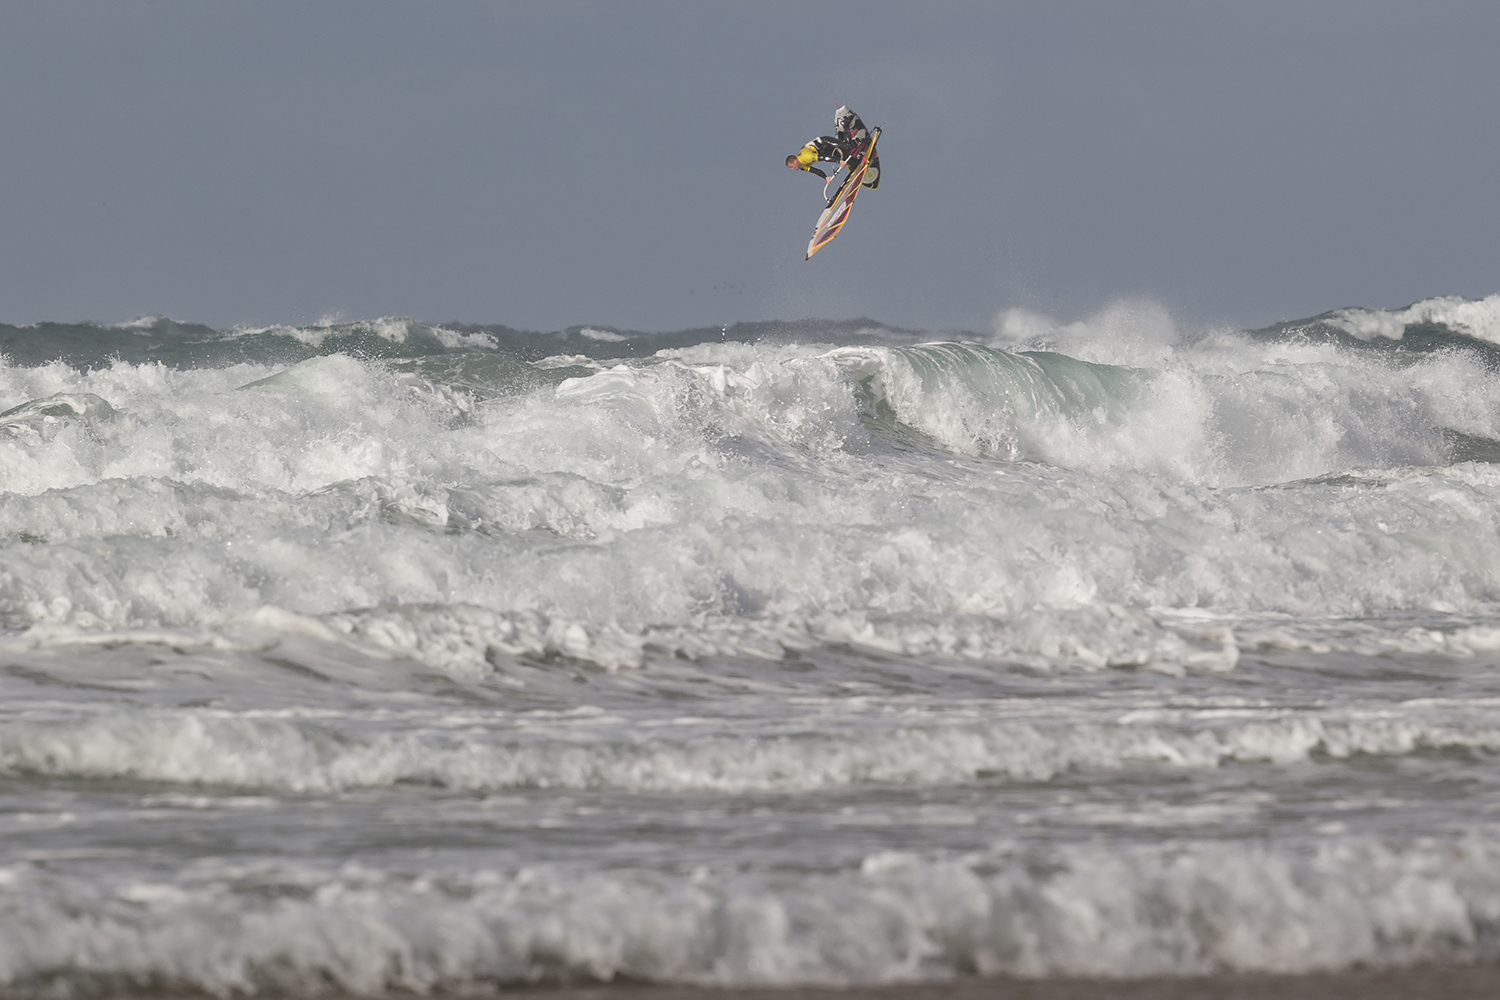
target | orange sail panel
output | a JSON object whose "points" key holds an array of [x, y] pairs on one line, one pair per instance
{"points": [[837, 213]]}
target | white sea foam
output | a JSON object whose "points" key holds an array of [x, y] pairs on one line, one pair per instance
{"points": [[1105, 649], [607, 336], [456, 340], [1478, 318], [139, 323], [265, 752], [704, 499], [1184, 908], [395, 329]]}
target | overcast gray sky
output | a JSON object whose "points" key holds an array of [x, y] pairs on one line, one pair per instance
{"points": [[542, 165]]}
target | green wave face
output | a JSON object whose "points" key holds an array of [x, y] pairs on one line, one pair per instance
{"points": [[978, 401]]}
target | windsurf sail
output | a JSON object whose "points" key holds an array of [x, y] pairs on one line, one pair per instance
{"points": [[837, 212]]}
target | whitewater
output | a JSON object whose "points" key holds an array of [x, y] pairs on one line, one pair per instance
{"points": [[370, 657]]}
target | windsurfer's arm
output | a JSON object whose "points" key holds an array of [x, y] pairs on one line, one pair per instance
{"points": [[808, 155]]}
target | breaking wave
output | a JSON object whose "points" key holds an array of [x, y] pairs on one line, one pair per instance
{"points": [[392, 656], [1181, 908]]}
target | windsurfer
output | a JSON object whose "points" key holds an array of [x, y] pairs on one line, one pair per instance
{"points": [[849, 135]]}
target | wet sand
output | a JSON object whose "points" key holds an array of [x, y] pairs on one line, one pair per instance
{"points": [[1479, 982]]}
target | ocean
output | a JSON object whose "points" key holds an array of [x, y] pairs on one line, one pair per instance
{"points": [[390, 657]]}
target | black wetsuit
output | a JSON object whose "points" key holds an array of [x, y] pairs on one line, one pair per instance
{"points": [[849, 135], [839, 147], [824, 148]]}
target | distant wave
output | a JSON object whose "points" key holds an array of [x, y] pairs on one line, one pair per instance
{"points": [[1448, 323], [156, 339], [1431, 324]]}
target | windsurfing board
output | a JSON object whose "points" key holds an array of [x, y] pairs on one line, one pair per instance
{"points": [[837, 212]]}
